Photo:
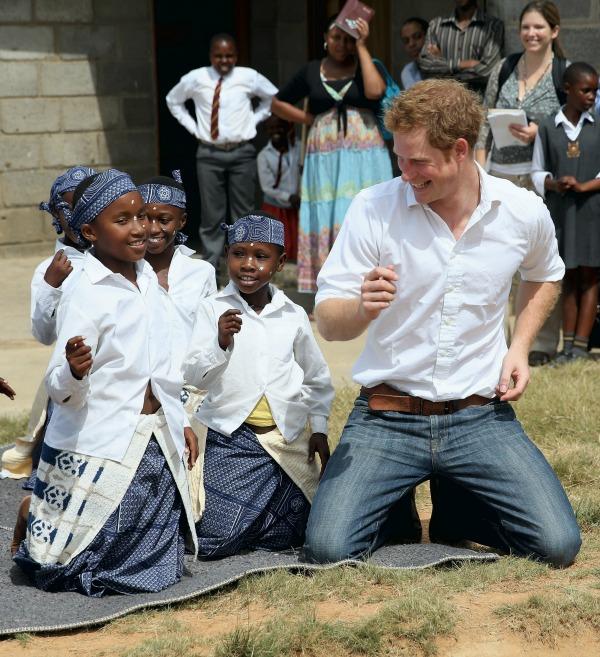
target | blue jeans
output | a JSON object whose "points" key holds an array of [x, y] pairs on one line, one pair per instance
{"points": [[483, 450]]}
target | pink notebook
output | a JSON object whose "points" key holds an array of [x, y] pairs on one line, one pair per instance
{"points": [[352, 10]]}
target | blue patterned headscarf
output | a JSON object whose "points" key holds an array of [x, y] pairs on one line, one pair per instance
{"points": [[64, 183], [158, 190], [106, 188], [255, 228]]}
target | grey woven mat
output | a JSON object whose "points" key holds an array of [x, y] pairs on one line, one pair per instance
{"points": [[24, 608]]}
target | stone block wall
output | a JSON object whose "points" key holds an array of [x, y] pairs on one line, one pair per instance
{"points": [[76, 87]]}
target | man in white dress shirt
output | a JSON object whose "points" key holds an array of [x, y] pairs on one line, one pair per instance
{"points": [[425, 263], [224, 125]]}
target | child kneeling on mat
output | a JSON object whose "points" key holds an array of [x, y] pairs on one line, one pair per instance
{"points": [[110, 510], [254, 351]]}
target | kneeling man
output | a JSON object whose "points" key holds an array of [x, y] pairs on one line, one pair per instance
{"points": [[425, 263]]}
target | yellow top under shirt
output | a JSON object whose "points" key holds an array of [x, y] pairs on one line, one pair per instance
{"points": [[261, 415]]}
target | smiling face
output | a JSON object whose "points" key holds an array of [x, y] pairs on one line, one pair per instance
{"points": [[223, 57], [118, 234], [340, 45], [433, 174], [163, 223], [251, 265], [581, 94], [412, 36], [536, 33]]}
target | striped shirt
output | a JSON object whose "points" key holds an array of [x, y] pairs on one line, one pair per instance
{"points": [[482, 39]]}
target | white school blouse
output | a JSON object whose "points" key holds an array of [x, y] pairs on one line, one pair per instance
{"points": [[443, 335], [237, 118], [274, 354], [190, 280], [538, 163], [45, 298], [267, 163], [131, 345]]}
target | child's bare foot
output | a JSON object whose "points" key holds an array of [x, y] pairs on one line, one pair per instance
{"points": [[21, 525]]}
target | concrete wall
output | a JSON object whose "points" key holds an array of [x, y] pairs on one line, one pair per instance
{"points": [[76, 87]]}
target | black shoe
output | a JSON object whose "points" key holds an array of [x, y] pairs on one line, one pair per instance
{"points": [[562, 358], [538, 358]]}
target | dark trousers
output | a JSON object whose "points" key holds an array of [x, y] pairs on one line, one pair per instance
{"points": [[227, 183]]}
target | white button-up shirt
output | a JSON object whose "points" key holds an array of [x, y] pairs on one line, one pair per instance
{"points": [[274, 354], [131, 346], [267, 163], [190, 280], [45, 298], [443, 335], [538, 162], [237, 119]]}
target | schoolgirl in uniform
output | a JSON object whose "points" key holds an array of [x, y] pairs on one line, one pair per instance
{"points": [[110, 510], [255, 353]]}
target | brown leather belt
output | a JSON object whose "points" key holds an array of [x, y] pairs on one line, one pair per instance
{"points": [[386, 398]]}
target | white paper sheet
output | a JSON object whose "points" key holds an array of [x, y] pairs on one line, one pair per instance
{"points": [[499, 120]]}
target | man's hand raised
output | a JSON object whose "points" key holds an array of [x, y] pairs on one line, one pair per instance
{"points": [[377, 291]]}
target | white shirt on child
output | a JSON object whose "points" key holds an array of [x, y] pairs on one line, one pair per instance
{"points": [[275, 354], [267, 163], [131, 345], [190, 280], [442, 337], [45, 298], [538, 164], [237, 118]]}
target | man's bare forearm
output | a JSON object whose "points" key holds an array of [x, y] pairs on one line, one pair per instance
{"points": [[340, 319], [535, 302]]}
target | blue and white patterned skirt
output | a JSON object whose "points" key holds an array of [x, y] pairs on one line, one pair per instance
{"points": [[251, 503]]}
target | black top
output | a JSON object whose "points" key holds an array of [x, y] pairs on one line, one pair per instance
{"points": [[307, 82]]}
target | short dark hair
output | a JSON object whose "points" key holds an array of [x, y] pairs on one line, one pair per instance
{"points": [[578, 70], [416, 19], [222, 36], [83, 185]]}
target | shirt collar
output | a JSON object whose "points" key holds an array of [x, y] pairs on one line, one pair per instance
{"points": [[97, 272], [561, 117], [478, 17], [489, 196], [182, 249], [70, 251], [278, 297]]}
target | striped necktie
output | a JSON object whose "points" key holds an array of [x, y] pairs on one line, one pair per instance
{"points": [[214, 114]]}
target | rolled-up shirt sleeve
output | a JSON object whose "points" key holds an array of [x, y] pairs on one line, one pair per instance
{"points": [[265, 90], [317, 391], [355, 252], [542, 263]]}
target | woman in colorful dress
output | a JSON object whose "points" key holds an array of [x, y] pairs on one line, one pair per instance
{"points": [[345, 151]]}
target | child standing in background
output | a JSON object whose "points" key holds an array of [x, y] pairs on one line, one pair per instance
{"points": [[110, 505], [279, 175], [566, 171], [255, 353]]}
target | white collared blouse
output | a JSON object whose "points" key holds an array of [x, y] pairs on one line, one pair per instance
{"points": [[131, 346], [45, 298], [443, 335], [237, 119], [275, 354], [190, 280]]}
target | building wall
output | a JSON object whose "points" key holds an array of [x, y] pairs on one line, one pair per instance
{"points": [[76, 87]]}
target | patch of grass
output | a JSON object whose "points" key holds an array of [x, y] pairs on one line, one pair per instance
{"points": [[158, 621], [544, 618], [417, 618], [340, 409], [12, 426], [587, 509], [24, 639], [169, 646]]}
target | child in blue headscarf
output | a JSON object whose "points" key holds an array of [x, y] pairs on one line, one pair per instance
{"points": [[110, 511], [255, 353]]}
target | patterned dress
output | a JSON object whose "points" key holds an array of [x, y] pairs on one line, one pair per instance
{"points": [[345, 153]]}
